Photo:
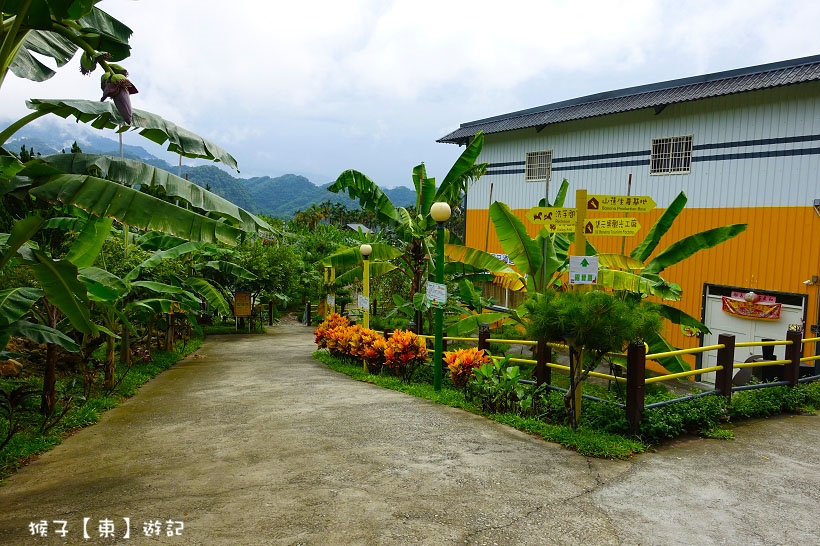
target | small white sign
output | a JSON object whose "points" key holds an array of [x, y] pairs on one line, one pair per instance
{"points": [[364, 302], [331, 300], [436, 294], [583, 270]]}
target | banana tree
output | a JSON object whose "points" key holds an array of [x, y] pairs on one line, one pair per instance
{"points": [[414, 228]]}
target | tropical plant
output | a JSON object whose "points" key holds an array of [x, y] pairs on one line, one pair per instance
{"points": [[404, 352], [412, 229], [592, 324], [498, 389], [462, 362]]}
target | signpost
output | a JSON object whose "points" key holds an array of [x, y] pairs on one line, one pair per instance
{"points": [[620, 227], [549, 215], [620, 203]]}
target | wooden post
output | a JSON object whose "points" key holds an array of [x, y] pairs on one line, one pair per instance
{"points": [[484, 336], [635, 386], [725, 358], [270, 313], [543, 354], [791, 371]]}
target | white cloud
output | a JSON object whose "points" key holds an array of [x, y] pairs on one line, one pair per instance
{"points": [[370, 84]]}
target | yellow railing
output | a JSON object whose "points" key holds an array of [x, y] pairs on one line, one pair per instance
{"points": [[762, 343], [682, 374], [679, 352], [761, 364]]}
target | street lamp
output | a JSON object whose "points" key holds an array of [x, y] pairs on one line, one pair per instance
{"points": [[366, 250], [440, 212]]}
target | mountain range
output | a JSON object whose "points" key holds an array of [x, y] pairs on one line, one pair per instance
{"points": [[279, 197]]}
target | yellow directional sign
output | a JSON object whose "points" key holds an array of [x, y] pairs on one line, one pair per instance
{"points": [[549, 215], [620, 203], [620, 227]]}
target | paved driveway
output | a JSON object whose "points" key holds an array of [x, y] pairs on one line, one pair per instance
{"points": [[253, 442]]}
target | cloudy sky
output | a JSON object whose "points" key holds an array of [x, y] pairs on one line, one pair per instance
{"points": [[318, 87]]}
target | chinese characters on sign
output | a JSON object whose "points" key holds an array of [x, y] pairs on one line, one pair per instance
{"points": [[242, 304], [620, 203], [612, 226], [549, 215], [107, 528]]}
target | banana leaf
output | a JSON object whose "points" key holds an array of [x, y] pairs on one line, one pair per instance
{"points": [[470, 324], [154, 240], [159, 287], [484, 261], [103, 285], [131, 173], [619, 261], [227, 267], [352, 256], [61, 287], [515, 240], [370, 196], [425, 189], [657, 344], [88, 244], [676, 316], [377, 269], [550, 263], [16, 302], [688, 246], [662, 225], [463, 171], [37, 333], [622, 280], [107, 199], [105, 115], [210, 294], [21, 232]]}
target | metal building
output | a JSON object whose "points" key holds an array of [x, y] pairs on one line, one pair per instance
{"points": [[744, 145]]}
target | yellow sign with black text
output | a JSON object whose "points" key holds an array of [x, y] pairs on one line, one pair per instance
{"points": [[620, 227], [620, 203]]}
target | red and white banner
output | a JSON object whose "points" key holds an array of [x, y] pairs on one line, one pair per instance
{"points": [[750, 310]]}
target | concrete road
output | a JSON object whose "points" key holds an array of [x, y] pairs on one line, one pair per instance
{"points": [[253, 442]]}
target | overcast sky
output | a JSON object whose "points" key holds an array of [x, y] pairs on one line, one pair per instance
{"points": [[318, 87]]}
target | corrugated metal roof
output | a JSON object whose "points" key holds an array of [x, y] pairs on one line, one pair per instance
{"points": [[656, 95]]}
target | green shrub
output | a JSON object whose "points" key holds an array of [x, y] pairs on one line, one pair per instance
{"points": [[764, 402], [690, 416]]}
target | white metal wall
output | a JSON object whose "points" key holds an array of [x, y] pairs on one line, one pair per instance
{"points": [[742, 121]]}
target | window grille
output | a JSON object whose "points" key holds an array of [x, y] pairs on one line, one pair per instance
{"points": [[538, 166], [672, 155]]}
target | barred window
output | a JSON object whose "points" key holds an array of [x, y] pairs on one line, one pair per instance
{"points": [[672, 155], [538, 166]]}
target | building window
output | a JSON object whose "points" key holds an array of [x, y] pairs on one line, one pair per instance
{"points": [[539, 165], [672, 155]]}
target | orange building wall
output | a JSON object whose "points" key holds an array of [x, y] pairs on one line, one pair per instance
{"points": [[778, 251]]}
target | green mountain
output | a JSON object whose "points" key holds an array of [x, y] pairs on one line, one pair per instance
{"points": [[279, 197]]}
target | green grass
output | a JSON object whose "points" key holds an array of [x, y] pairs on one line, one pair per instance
{"points": [[31, 442]]}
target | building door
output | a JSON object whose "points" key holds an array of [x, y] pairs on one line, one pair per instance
{"points": [[721, 319]]}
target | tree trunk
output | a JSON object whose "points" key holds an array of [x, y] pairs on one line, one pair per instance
{"points": [[575, 369], [49, 397], [110, 366]]}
